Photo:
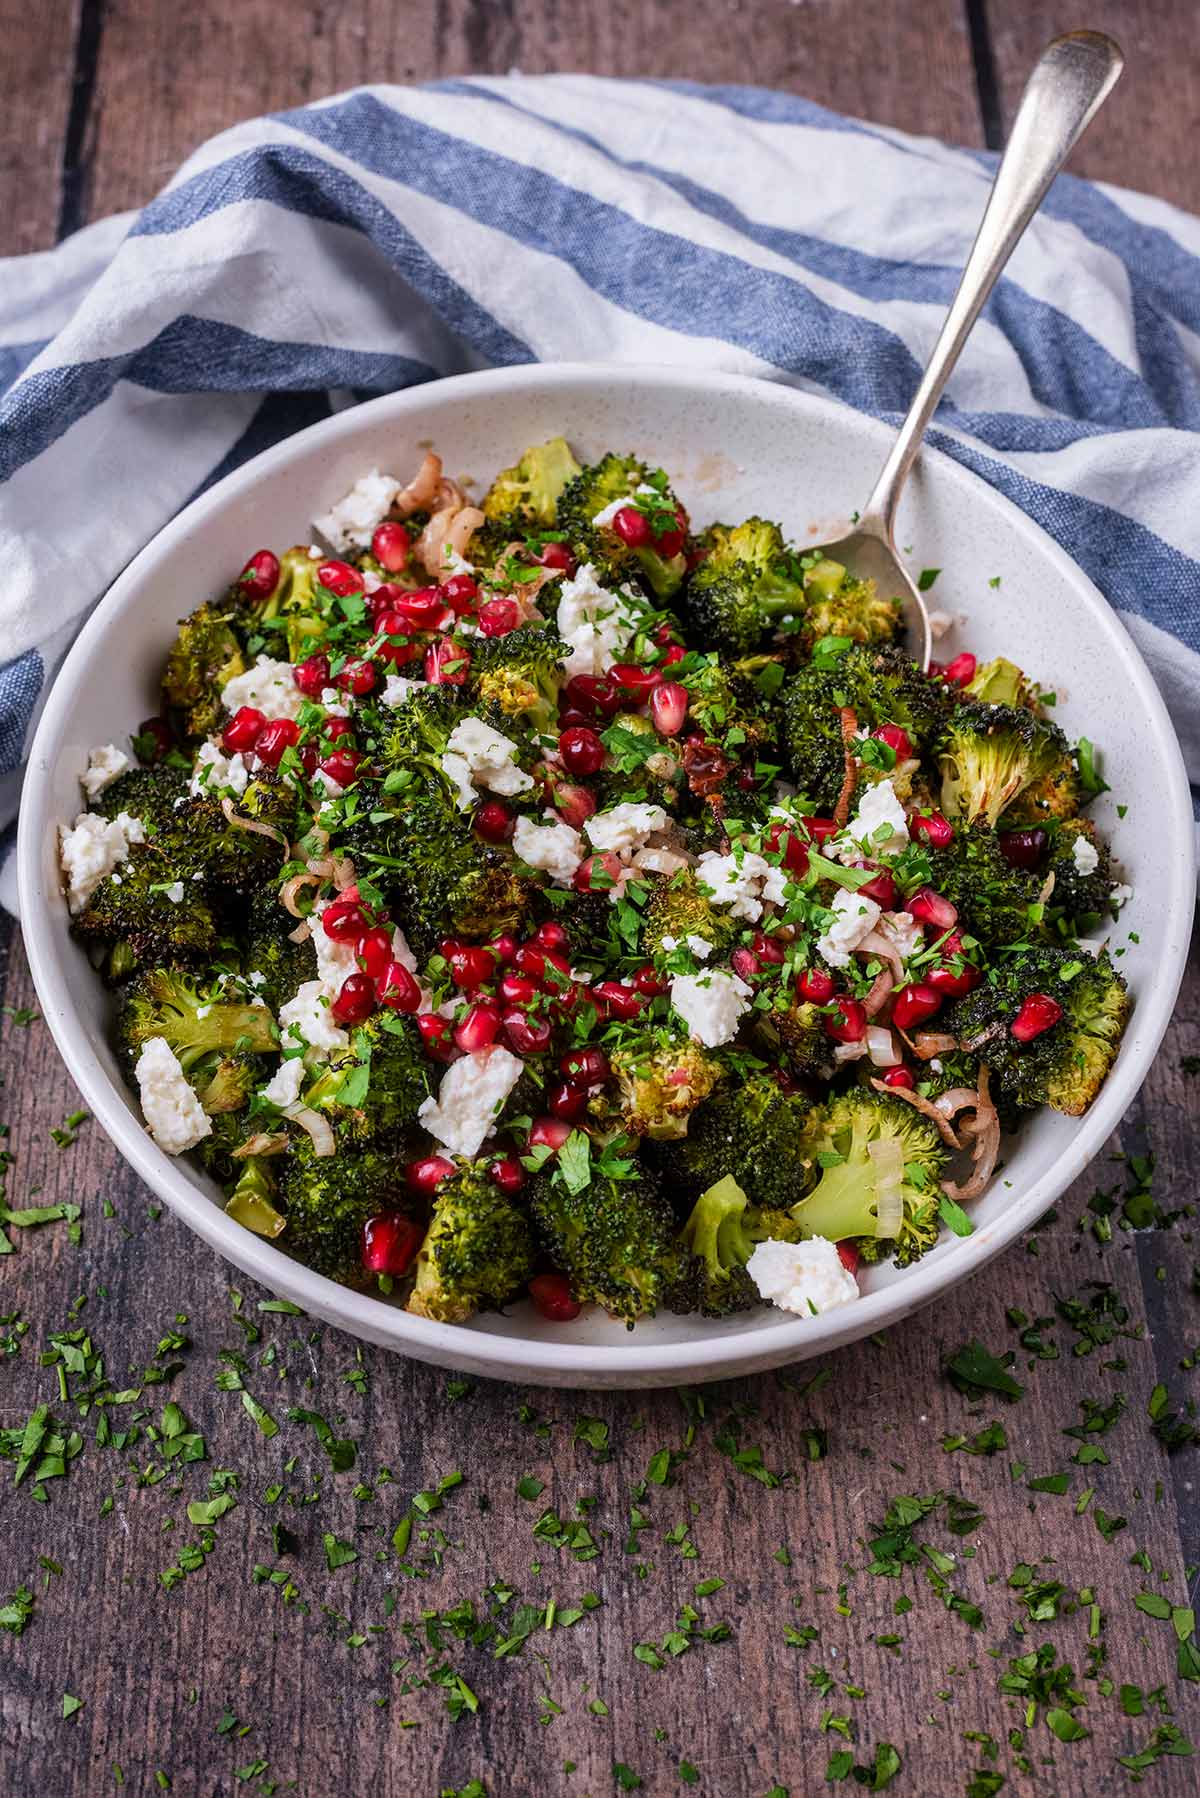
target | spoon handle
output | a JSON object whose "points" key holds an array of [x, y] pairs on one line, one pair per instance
{"points": [[1072, 78]]}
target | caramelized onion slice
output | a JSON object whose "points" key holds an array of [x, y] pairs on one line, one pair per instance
{"points": [[923, 1106], [316, 1126]]}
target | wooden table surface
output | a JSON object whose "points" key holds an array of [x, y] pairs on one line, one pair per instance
{"points": [[252, 1666]]}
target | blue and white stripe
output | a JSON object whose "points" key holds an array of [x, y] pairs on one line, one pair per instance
{"points": [[391, 235]]}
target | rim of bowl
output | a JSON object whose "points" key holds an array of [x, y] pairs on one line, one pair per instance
{"points": [[508, 1357]]}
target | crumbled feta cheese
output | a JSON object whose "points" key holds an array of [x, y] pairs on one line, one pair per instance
{"points": [[853, 918], [353, 520], [804, 1277], [625, 828], [470, 1098], [594, 623], [331, 699], [335, 961], [879, 825], [214, 772], [175, 1115], [92, 848], [660, 861], [283, 1088], [306, 1016], [710, 1004], [104, 765], [742, 882], [332, 789], [903, 931], [477, 755], [174, 892], [942, 623], [700, 946], [618, 505], [1085, 855], [1121, 895], [554, 848], [268, 686], [398, 689]]}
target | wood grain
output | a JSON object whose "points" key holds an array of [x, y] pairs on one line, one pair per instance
{"points": [[38, 68], [1145, 136]]}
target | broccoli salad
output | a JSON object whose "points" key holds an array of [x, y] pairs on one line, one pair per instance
{"points": [[543, 898]]}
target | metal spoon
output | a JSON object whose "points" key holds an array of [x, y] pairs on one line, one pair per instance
{"points": [[1073, 77]]}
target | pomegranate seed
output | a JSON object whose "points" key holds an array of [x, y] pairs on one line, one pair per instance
{"points": [[507, 1174], [274, 738], [389, 1243], [373, 951], [426, 1176], [156, 732], [650, 982], [668, 708], [668, 543], [848, 1024], [961, 670], [341, 766], [470, 966], [355, 1000], [241, 733], [1023, 848], [552, 1296], [436, 1035], [791, 849], [461, 592], [494, 822], [767, 948], [391, 546], [585, 1067], [636, 683], [820, 829], [951, 985], [534, 962], [556, 555], [312, 675], [632, 527], [446, 664], [550, 1133], [745, 964], [899, 1077], [929, 907], [525, 1034], [914, 1005], [398, 989], [574, 804], [598, 873], [882, 890], [518, 989], [570, 719], [356, 677], [498, 617], [1038, 1012], [567, 1101], [748, 781], [583, 693], [260, 577], [848, 1255], [935, 830], [344, 921], [624, 1002], [551, 935], [340, 578], [480, 1028], [336, 727], [385, 599], [394, 624], [419, 610], [581, 750], [896, 739], [675, 652], [308, 759], [816, 986]]}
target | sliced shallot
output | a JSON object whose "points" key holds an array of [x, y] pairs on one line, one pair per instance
{"points": [[887, 1157], [923, 1106], [316, 1126]]}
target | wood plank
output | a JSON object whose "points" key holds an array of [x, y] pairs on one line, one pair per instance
{"points": [[38, 67], [158, 1668], [170, 77], [1143, 137]]}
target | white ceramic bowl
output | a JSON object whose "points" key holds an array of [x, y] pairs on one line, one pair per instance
{"points": [[733, 446]]}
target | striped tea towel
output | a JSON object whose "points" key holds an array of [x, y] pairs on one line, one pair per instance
{"points": [[391, 235]]}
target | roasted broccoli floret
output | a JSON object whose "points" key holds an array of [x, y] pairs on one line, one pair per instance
{"points": [[996, 900], [329, 1198], [678, 908], [414, 736], [1048, 1023], [753, 1131], [195, 1020], [745, 588], [478, 1249], [144, 914], [794, 1031], [1083, 875], [659, 559], [998, 759], [839, 604], [251, 1201], [295, 606], [862, 1141], [269, 950], [717, 1240], [230, 861], [726, 697], [660, 1082], [373, 1093], [880, 686], [205, 655], [1001, 682], [518, 676], [525, 498], [615, 1240], [230, 1083], [146, 793]]}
